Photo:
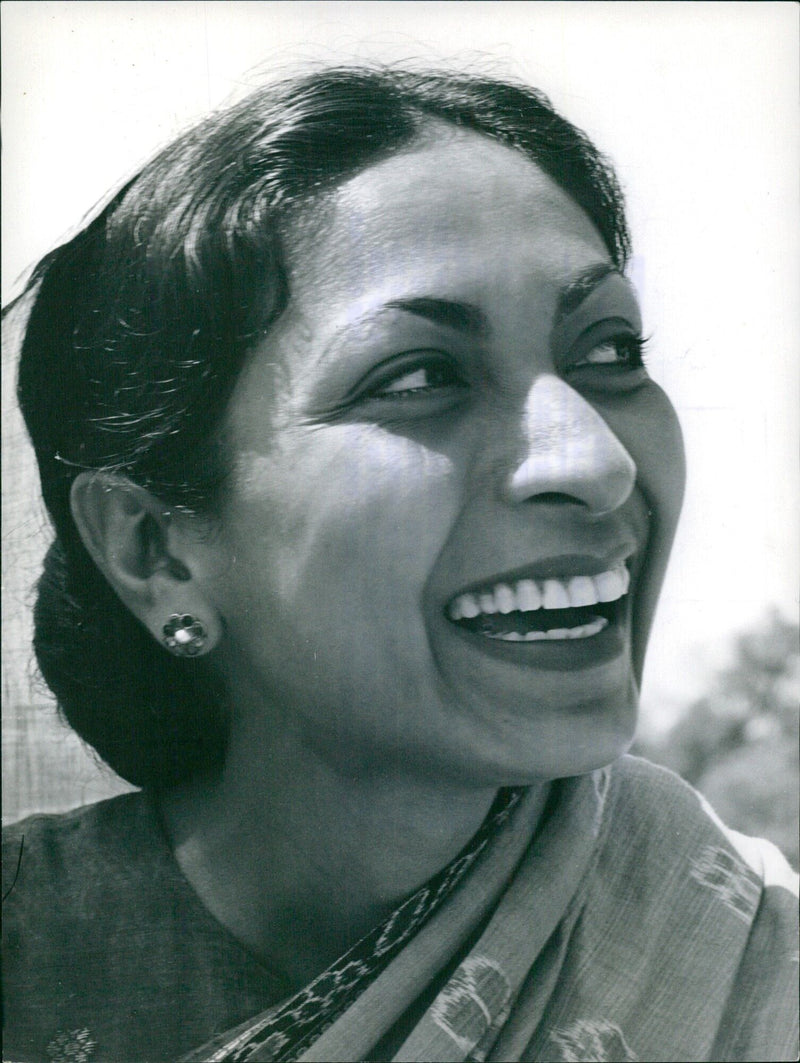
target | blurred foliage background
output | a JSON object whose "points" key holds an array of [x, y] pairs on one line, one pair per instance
{"points": [[738, 743]]}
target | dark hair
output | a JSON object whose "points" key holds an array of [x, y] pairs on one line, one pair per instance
{"points": [[139, 328]]}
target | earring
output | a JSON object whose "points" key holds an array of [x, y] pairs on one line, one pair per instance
{"points": [[184, 635]]}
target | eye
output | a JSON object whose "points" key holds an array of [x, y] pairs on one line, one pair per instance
{"points": [[417, 376], [625, 352]]}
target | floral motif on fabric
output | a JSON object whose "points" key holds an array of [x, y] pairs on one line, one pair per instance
{"points": [[72, 1046], [474, 1001], [592, 1041], [731, 880], [285, 1032]]}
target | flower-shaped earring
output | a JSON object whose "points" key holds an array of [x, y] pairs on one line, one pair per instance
{"points": [[184, 635]]}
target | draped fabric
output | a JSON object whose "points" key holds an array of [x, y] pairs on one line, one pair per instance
{"points": [[629, 925], [635, 928], [283, 1031]]}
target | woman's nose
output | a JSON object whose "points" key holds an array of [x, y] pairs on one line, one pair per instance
{"points": [[569, 450]]}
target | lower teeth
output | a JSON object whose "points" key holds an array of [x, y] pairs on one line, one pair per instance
{"points": [[583, 632]]}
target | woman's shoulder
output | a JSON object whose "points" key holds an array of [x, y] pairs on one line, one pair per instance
{"points": [[668, 816], [105, 941], [58, 852], [723, 905], [699, 918], [102, 869]]}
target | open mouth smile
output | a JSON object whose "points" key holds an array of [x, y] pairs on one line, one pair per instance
{"points": [[534, 610]]}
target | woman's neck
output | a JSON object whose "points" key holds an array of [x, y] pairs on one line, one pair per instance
{"points": [[299, 860]]}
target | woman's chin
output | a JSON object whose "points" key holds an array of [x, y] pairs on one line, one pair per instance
{"points": [[593, 742], [513, 733]]}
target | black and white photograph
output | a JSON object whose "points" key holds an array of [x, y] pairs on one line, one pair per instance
{"points": [[400, 520]]}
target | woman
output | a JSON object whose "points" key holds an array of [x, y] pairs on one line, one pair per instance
{"points": [[362, 499]]}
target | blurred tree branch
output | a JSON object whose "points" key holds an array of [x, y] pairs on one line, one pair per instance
{"points": [[738, 743]]}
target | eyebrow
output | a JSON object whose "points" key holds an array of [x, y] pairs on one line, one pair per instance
{"points": [[471, 320], [463, 317], [580, 287]]}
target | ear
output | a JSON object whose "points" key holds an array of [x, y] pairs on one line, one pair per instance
{"points": [[148, 555]]}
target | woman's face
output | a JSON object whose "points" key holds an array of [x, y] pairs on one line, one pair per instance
{"points": [[447, 455]]}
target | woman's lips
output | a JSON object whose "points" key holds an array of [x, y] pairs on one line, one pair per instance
{"points": [[539, 610]]}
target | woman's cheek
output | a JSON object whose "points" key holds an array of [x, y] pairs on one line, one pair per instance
{"points": [[365, 494], [648, 426], [660, 454], [387, 498], [646, 423]]}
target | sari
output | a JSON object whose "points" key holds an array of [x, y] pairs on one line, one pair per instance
{"points": [[630, 925]]}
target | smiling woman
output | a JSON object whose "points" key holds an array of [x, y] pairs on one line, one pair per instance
{"points": [[363, 498]]}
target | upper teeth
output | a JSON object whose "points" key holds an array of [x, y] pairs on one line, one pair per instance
{"points": [[526, 594]]}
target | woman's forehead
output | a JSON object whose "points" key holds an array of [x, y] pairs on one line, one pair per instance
{"points": [[457, 212]]}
